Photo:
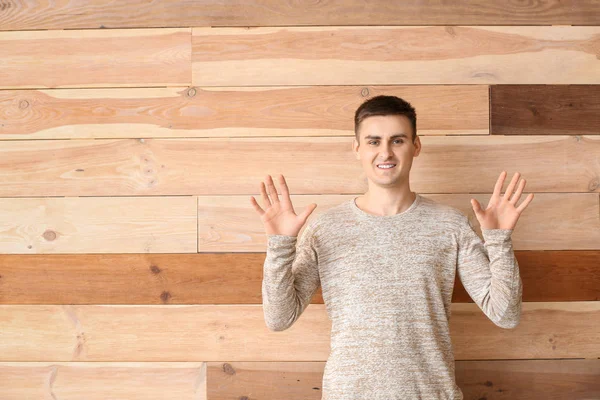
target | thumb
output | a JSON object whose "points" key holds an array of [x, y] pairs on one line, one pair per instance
{"points": [[308, 210], [476, 206]]}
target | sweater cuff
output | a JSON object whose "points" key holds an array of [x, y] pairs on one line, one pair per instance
{"points": [[276, 240], [497, 235]]}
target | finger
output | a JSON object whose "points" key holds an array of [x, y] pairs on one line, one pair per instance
{"points": [[265, 197], [272, 190], [258, 209], [511, 186], [515, 198], [285, 192], [499, 184], [525, 203]]}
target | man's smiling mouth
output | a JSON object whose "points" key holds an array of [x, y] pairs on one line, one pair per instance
{"points": [[386, 166]]}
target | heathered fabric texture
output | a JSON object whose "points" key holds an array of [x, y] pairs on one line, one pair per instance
{"points": [[387, 284]]}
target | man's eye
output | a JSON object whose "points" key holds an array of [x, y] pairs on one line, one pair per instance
{"points": [[397, 140]]}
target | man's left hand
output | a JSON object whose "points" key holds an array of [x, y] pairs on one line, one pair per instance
{"points": [[501, 211]]}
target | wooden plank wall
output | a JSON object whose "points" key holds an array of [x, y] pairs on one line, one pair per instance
{"points": [[133, 135]]}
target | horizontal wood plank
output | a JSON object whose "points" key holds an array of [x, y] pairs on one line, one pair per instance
{"points": [[176, 224], [95, 58], [196, 166], [98, 225], [492, 380], [103, 380], [24, 15], [229, 112], [239, 332], [545, 109], [184, 224], [373, 55], [552, 221], [496, 379], [213, 278]]}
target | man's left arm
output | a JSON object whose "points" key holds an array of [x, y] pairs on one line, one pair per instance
{"points": [[490, 273]]}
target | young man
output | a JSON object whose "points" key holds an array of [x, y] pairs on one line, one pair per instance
{"points": [[386, 262]]}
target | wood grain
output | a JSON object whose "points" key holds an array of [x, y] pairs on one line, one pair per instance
{"points": [[324, 165], [98, 225], [235, 278], [229, 223], [373, 55], [238, 332], [63, 14], [95, 58], [103, 380], [229, 112], [150, 224], [545, 109], [494, 380]]}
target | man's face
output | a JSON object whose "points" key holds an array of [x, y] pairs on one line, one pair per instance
{"points": [[377, 146]]}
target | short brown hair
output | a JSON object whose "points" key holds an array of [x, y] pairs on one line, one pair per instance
{"points": [[385, 105]]}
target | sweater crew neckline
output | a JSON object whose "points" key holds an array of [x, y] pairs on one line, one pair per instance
{"points": [[365, 215]]}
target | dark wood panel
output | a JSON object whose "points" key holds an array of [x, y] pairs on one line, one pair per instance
{"points": [[229, 112], [491, 380], [29, 14], [235, 278], [545, 109]]}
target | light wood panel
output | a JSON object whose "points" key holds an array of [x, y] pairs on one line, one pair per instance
{"points": [[324, 165], [213, 278], [545, 109], [103, 380], [229, 112], [95, 58], [229, 223], [238, 332], [395, 55], [63, 14], [98, 225], [183, 224]]}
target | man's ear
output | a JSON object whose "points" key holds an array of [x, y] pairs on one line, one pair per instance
{"points": [[418, 146], [355, 148]]}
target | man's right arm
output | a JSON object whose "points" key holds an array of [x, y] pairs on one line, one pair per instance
{"points": [[290, 278]]}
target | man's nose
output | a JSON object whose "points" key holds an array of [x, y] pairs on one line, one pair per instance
{"points": [[386, 150]]}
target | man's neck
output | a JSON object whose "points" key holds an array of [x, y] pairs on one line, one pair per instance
{"points": [[385, 204]]}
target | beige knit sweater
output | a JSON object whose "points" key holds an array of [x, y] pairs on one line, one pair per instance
{"points": [[387, 284]]}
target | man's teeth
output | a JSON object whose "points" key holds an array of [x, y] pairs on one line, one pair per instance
{"points": [[386, 166]]}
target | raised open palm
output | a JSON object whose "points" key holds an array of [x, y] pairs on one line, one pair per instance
{"points": [[502, 211], [279, 218]]}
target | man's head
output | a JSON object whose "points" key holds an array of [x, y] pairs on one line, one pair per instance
{"points": [[377, 122]]}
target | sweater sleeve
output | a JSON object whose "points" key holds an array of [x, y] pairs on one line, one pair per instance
{"points": [[490, 273], [290, 278]]}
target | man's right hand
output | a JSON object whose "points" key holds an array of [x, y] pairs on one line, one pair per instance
{"points": [[279, 218]]}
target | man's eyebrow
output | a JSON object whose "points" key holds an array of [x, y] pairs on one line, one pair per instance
{"points": [[391, 137]]}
